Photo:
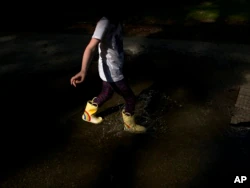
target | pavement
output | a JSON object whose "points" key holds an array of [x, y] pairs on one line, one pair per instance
{"points": [[186, 91]]}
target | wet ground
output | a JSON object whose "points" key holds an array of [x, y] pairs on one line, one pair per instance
{"points": [[184, 99]]}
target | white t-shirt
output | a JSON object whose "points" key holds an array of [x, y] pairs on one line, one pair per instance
{"points": [[111, 56]]}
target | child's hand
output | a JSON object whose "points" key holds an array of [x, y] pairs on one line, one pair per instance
{"points": [[78, 78]]}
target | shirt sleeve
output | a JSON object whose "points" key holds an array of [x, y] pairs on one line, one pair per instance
{"points": [[100, 29]]}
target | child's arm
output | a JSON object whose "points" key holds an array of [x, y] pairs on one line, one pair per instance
{"points": [[86, 59], [98, 34], [89, 53]]}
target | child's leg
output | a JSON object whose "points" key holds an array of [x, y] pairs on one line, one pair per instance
{"points": [[122, 88], [106, 94], [92, 106]]}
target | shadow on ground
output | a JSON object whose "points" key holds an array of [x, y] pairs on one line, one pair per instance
{"points": [[32, 107], [186, 108]]}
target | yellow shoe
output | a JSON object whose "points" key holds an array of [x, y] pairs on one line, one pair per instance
{"points": [[130, 125], [90, 110]]}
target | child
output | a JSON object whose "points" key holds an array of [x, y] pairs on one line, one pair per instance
{"points": [[108, 38]]}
